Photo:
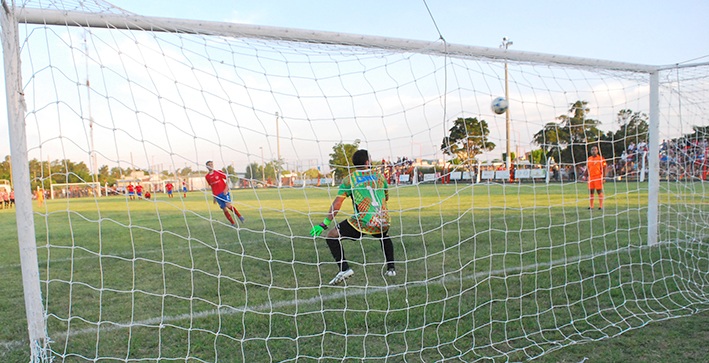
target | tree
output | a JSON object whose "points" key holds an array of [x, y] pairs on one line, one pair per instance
{"points": [[552, 138], [254, 171], [313, 173], [700, 133], [273, 167], [5, 172], [39, 171], [467, 139], [633, 128], [513, 156], [567, 140], [116, 172], [341, 157], [231, 174], [537, 157], [103, 170], [104, 175], [186, 171], [66, 171]]}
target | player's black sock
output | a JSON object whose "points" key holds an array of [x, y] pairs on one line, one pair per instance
{"points": [[388, 252], [337, 253]]}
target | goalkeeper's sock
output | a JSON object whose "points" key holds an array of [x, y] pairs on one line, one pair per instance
{"points": [[388, 252], [592, 198], [600, 201], [337, 253], [228, 216], [236, 211]]}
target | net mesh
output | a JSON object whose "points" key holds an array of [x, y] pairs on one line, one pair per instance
{"points": [[488, 269]]}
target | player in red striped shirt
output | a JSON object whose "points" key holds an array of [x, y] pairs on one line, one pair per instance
{"points": [[168, 188], [131, 192], [220, 189]]}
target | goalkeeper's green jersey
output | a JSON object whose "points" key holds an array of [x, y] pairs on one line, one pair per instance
{"points": [[367, 188]]}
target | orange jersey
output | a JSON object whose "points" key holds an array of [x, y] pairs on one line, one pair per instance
{"points": [[596, 165]]}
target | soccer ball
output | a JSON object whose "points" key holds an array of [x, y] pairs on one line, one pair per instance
{"points": [[499, 105]]}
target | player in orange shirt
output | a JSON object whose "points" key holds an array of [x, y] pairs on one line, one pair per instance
{"points": [[40, 197], [596, 170]]}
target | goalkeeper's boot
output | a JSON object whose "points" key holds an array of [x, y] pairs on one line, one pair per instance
{"points": [[241, 218], [341, 276]]}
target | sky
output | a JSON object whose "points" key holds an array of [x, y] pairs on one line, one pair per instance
{"points": [[655, 32], [644, 32]]}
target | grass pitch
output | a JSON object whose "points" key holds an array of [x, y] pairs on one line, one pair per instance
{"points": [[485, 272]]}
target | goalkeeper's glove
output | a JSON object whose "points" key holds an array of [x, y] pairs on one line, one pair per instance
{"points": [[317, 229]]}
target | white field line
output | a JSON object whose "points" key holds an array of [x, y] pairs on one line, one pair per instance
{"points": [[197, 244], [130, 255], [269, 306]]}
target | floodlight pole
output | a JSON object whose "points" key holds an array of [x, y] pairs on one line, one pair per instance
{"points": [[263, 167], [92, 153], [278, 143], [505, 44], [517, 146], [49, 172]]}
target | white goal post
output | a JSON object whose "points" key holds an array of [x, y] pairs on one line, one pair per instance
{"points": [[488, 269]]}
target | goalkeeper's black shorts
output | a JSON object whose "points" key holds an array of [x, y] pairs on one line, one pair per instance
{"points": [[347, 231]]}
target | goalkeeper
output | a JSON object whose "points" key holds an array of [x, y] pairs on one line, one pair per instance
{"points": [[368, 190]]}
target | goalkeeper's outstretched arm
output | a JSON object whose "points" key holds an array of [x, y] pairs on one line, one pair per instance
{"points": [[334, 209]]}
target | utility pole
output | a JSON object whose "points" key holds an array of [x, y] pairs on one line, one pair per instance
{"points": [[263, 166], [278, 143], [505, 44], [49, 171], [92, 153]]}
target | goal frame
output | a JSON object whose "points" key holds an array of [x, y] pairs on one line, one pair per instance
{"points": [[10, 19], [159, 24]]}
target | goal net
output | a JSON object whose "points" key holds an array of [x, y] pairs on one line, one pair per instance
{"points": [[497, 255]]}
